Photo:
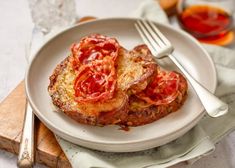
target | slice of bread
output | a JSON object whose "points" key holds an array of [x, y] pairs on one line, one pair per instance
{"points": [[140, 112], [133, 70]]}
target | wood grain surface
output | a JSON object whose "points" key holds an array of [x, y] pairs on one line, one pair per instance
{"points": [[12, 109]]}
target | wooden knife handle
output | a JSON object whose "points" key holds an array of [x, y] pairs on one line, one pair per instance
{"points": [[26, 151]]}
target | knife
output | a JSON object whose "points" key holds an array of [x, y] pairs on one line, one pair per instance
{"points": [[55, 14], [26, 150]]}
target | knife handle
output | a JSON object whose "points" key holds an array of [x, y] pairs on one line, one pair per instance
{"points": [[26, 151]]}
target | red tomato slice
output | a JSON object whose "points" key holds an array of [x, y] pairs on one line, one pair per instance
{"points": [[95, 81], [162, 90], [94, 47]]}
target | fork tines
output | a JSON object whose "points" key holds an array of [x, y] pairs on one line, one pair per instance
{"points": [[153, 38]]}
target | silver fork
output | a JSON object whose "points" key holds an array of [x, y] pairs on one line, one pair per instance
{"points": [[160, 47]]}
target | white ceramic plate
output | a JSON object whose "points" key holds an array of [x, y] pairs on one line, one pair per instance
{"points": [[110, 138]]}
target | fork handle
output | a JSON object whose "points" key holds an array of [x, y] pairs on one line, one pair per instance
{"points": [[26, 151], [214, 106]]}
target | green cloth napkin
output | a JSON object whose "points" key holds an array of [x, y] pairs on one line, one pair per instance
{"points": [[196, 143]]}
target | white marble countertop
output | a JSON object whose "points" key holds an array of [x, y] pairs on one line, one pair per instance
{"points": [[15, 30]]}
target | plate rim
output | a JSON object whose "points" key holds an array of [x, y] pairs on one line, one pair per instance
{"points": [[62, 133]]}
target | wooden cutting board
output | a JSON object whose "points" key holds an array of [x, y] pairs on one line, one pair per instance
{"points": [[12, 109]]}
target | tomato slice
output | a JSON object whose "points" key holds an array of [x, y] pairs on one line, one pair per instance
{"points": [[94, 47], [95, 81], [162, 90]]}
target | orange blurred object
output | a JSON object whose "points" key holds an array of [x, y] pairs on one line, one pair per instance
{"points": [[208, 23], [204, 21], [224, 40], [169, 6], [86, 18]]}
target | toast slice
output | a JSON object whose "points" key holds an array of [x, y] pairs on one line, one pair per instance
{"points": [[141, 112], [133, 70]]}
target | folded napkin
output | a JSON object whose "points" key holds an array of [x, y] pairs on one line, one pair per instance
{"points": [[196, 143]]}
